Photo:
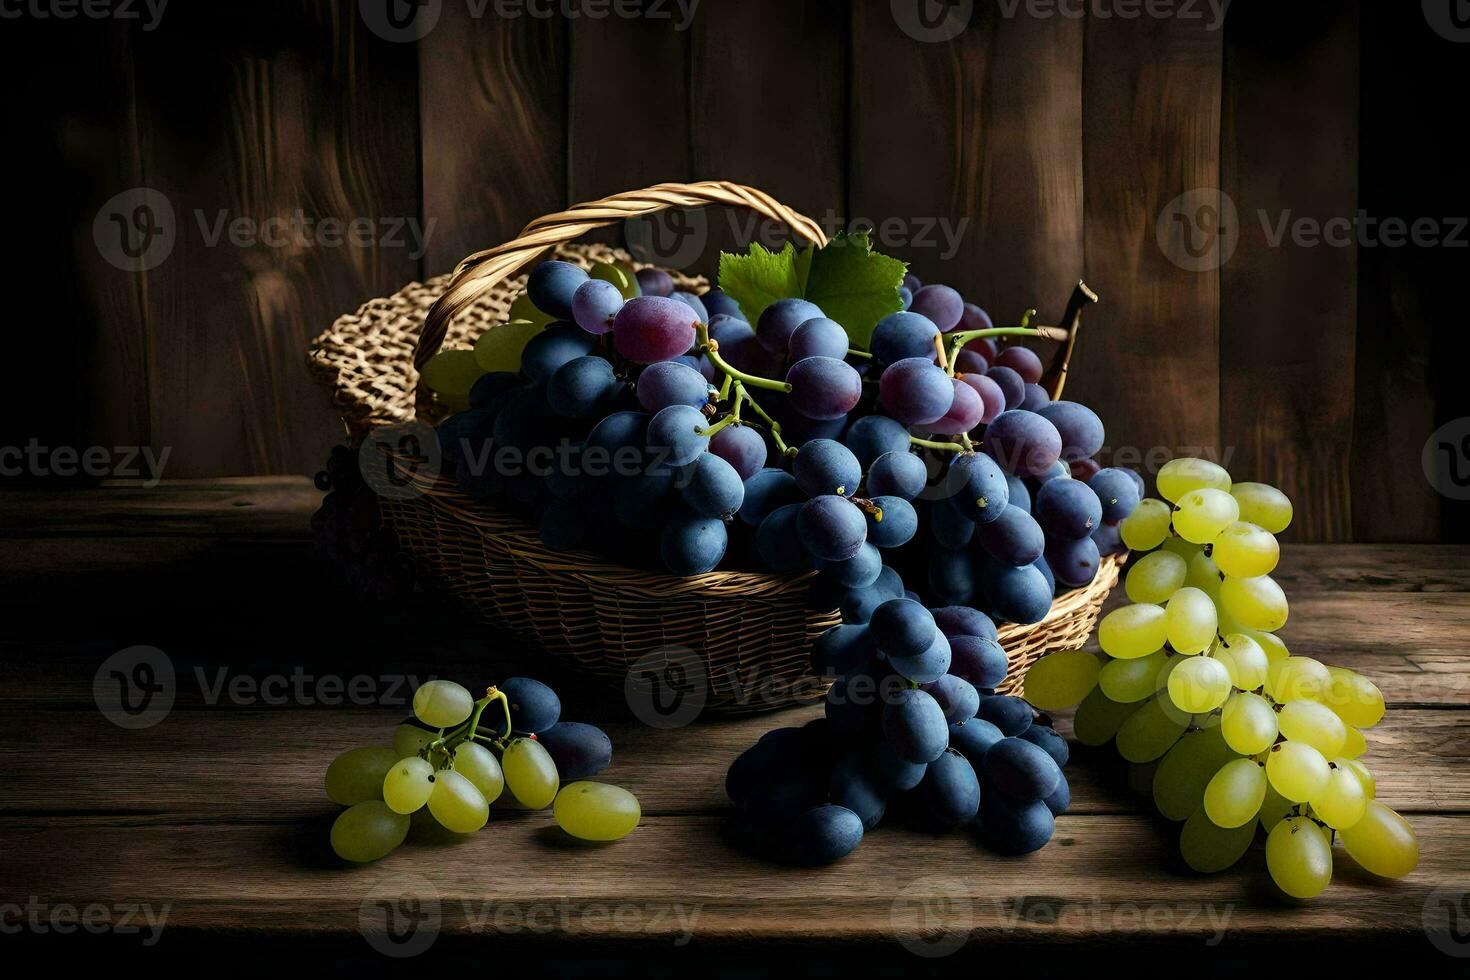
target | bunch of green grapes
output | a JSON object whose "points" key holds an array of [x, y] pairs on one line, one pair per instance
{"points": [[450, 763], [1221, 724]]}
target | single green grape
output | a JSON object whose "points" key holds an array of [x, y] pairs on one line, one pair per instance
{"points": [[1149, 732], [1274, 808], [1098, 718], [1313, 724], [1354, 698], [1156, 577], [525, 311], [479, 765], [1270, 642], [530, 773], [1342, 802], [1141, 776], [411, 740], [1382, 842], [1126, 681], [368, 831], [1203, 574], [1179, 476], [1133, 631], [1297, 679], [1199, 684], [442, 704], [1353, 744], [452, 373], [408, 784], [1191, 621], [457, 804], [356, 775], [1208, 848], [1185, 771], [1256, 602], [500, 347], [1201, 515], [620, 277], [1263, 505], [1248, 723], [1235, 793], [1062, 679], [1247, 661], [596, 811], [1299, 857], [1356, 767], [1176, 545], [1147, 527], [1245, 550], [1298, 771]]}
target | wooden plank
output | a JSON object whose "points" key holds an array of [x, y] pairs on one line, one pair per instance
{"points": [[1374, 568], [628, 121], [1408, 341], [1289, 163], [1102, 878], [983, 132], [493, 126], [277, 127], [802, 161], [263, 506], [1149, 357]]}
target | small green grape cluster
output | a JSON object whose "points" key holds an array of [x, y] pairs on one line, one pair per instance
{"points": [[448, 765], [1221, 724]]}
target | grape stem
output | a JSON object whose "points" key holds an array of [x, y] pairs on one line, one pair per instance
{"points": [[470, 729], [771, 423], [957, 341], [854, 352], [952, 447], [711, 349]]}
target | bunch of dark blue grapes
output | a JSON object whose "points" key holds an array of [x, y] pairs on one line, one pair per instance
{"points": [[913, 731]]}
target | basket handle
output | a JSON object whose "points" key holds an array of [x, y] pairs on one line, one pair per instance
{"points": [[483, 270]]}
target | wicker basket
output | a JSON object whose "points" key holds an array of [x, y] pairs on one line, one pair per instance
{"points": [[748, 634]]}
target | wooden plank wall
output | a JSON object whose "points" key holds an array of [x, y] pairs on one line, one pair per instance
{"points": [[1017, 154]]}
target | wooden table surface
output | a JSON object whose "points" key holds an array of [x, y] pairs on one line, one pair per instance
{"points": [[216, 812]]}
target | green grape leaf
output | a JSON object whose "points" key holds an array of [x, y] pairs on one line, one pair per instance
{"points": [[854, 285], [759, 278]]}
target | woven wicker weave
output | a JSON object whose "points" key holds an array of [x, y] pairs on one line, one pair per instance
{"points": [[749, 633]]}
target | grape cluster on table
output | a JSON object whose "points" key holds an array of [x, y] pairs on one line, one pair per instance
{"points": [[455, 757], [1220, 723]]}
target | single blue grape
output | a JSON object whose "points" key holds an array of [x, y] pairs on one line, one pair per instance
{"points": [[915, 391], [831, 528], [1015, 539], [950, 791], [956, 696], [818, 337], [900, 474], [926, 667], [552, 285], [977, 486], [903, 628], [1016, 595], [553, 347], [654, 282], [711, 487], [1036, 398], [1074, 563], [1021, 769], [824, 388], [956, 621], [718, 303], [742, 447], [913, 723], [824, 466], [897, 524], [1025, 443], [901, 335], [1080, 429], [691, 544], [893, 772], [766, 491], [1011, 384], [1010, 826], [1050, 742], [780, 320], [1010, 714], [676, 434], [1067, 510], [875, 435], [1117, 491], [620, 431], [579, 750], [594, 305], [1060, 801], [824, 835], [534, 707], [1109, 539], [671, 383], [941, 304], [859, 571], [583, 387], [842, 650], [980, 660], [974, 738]]}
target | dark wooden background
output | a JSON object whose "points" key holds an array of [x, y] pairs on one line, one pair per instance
{"points": [[1322, 369]]}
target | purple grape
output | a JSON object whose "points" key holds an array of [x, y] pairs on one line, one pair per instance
{"points": [[649, 329], [823, 466], [1117, 491], [897, 474], [594, 305], [551, 286], [766, 492], [901, 335], [915, 391], [956, 621], [874, 435], [1137, 480], [692, 545], [693, 302], [831, 528], [654, 282], [912, 282], [1023, 361], [970, 362], [1080, 428], [974, 318], [1036, 398], [582, 388], [1016, 595], [897, 525], [818, 337], [964, 414], [977, 487], [619, 431], [671, 383], [718, 303], [798, 430], [725, 329], [742, 447], [701, 364], [1109, 539], [978, 659], [941, 304], [1067, 509], [677, 433], [1074, 563], [1023, 442], [824, 388], [712, 488], [780, 320], [990, 393], [1010, 382], [1015, 539]]}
